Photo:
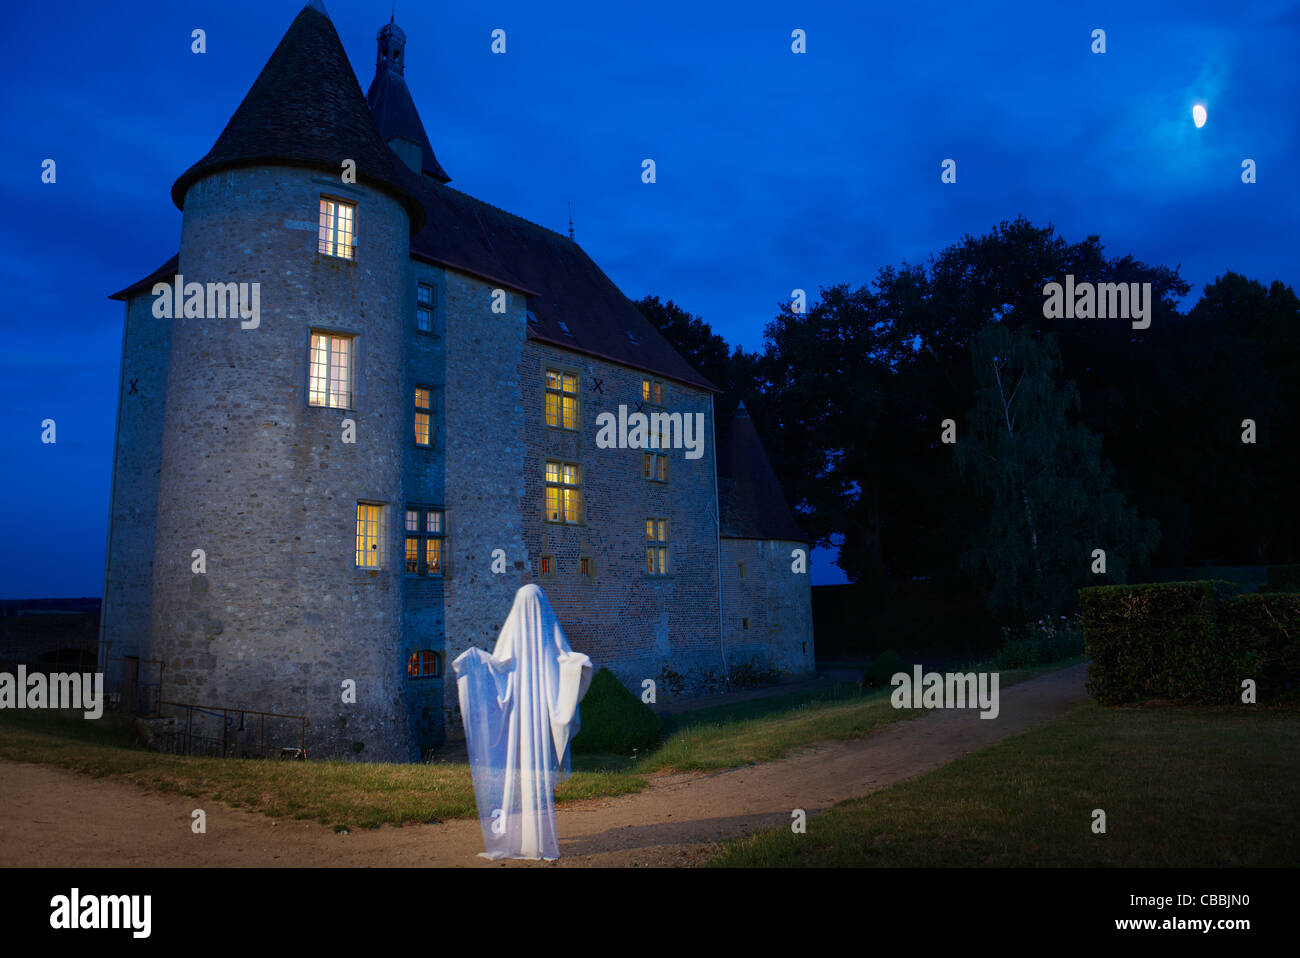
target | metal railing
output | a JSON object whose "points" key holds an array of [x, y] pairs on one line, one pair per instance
{"points": [[234, 742]]}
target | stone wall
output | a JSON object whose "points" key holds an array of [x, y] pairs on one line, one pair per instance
{"points": [[482, 449], [128, 576], [263, 482], [772, 600]]}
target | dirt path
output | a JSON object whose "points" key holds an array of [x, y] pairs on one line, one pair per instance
{"points": [[49, 816]]}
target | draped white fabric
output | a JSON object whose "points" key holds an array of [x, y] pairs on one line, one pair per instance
{"points": [[520, 709]]}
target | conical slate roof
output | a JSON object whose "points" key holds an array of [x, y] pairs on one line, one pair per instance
{"points": [[306, 109], [396, 116], [751, 501]]}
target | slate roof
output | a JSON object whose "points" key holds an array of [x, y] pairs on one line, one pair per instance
{"points": [[573, 304], [395, 115], [164, 272], [750, 497], [305, 109]]}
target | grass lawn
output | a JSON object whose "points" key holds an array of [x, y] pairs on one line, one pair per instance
{"points": [[342, 794], [369, 794], [1181, 787], [760, 730]]}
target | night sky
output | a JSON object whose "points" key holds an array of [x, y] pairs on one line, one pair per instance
{"points": [[775, 170]]}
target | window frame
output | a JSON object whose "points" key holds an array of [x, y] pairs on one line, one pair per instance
{"points": [[560, 393], [327, 242], [377, 543], [654, 467], [658, 541], [431, 308], [419, 660], [561, 486], [652, 392], [422, 411], [422, 537], [329, 336]]}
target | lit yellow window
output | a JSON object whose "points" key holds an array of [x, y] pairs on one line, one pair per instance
{"points": [[330, 382], [423, 416], [368, 528], [587, 566], [425, 541], [337, 233], [561, 400], [655, 467], [656, 553], [424, 664], [563, 492], [652, 391], [546, 565]]}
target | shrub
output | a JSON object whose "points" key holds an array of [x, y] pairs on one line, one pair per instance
{"points": [[885, 667], [614, 720], [1041, 642], [1270, 626], [1161, 641], [1282, 578], [754, 674]]}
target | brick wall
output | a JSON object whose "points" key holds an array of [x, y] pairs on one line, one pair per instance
{"points": [[624, 618]]}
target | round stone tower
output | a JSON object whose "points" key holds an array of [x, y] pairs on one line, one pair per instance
{"points": [[277, 565]]}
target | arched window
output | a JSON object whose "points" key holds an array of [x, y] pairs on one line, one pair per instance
{"points": [[424, 665]]}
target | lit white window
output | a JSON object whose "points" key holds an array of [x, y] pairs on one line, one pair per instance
{"points": [[331, 371], [338, 228]]}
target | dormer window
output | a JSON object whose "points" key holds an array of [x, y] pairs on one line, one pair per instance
{"points": [[338, 228]]}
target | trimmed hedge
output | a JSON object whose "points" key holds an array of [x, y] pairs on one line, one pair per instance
{"points": [[1163, 640], [614, 720], [1282, 578], [1269, 624]]}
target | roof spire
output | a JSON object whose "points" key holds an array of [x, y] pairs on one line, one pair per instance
{"points": [[394, 110], [570, 219], [318, 6], [392, 46]]}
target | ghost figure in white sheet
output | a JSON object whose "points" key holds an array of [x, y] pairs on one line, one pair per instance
{"points": [[520, 709]]}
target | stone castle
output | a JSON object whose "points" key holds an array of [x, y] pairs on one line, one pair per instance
{"points": [[345, 487]]}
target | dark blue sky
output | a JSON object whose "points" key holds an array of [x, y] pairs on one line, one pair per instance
{"points": [[775, 170]]}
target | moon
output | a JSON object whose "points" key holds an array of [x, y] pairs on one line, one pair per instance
{"points": [[1198, 115]]}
